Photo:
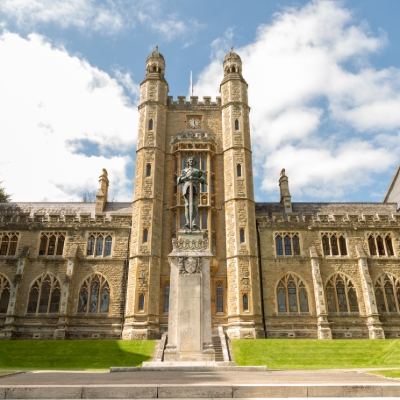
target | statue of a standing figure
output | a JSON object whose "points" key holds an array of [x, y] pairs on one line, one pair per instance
{"points": [[191, 178]]}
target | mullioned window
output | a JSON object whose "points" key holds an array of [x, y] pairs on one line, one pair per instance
{"points": [[99, 244], [8, 243], [287, 244], [380, 244], [341, 294], [334, 244], [44, 296], [52, 243], [387, 292], [292, 295]]}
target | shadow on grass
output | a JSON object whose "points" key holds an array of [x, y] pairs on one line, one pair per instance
{"points": [[73, 355]]}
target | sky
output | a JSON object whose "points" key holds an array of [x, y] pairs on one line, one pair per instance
{"points": [[324, 90]]}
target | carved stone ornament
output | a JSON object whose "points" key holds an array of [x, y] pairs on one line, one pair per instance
{"points": [[189, 265], [187, 244]]}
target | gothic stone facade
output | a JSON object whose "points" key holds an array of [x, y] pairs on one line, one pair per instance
{"points": [[280, 270]]}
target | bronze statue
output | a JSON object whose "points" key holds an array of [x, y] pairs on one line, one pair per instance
{"points": [[191, 178]]}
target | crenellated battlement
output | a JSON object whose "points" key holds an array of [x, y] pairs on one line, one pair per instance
{"points": [[193, 104]]}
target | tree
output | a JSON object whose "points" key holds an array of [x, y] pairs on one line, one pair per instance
{"points": [[89, 197], [4, 197]]}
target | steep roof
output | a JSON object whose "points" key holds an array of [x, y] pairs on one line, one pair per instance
{"points": [[393, 193], [63, 208], [329, 208]]}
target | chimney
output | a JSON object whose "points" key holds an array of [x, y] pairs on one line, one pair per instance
{"points": [[285, 194], [101, 197]]}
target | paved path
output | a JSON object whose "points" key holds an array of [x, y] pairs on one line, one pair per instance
{"points": [[181, 384], [187, 378]]}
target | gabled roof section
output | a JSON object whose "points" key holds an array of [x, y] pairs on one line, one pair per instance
{"points": [[63, 208], [393, 193]]}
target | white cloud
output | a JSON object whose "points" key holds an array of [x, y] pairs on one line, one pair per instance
{"points": [[55, 106], [76, 13], [317, 102], [107, 17]]}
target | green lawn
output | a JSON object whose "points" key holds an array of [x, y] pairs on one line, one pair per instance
{"points": [[73, 354], [388, 373], [317, 354]]}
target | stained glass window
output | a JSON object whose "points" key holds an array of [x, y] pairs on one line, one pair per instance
{"points": [[387, 292], [4, 293], [341, 294], [292, 295], [44, 296], [94, 295]]}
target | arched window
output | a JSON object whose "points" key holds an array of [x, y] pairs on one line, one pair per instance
{"points": [[287, 244], [166, 299], [108, 245], [278, 244], [334, 244], [94, 295], [239, 170], [90, 246], [99, 244], [145, 235], [236, 124], [245, 302], [341, 294], [380, 245], [51, 243], [5, 290], [148, 170], [371, 245], [141, 302], [220, 297], [8, 244], [292, 295], [242, 236], [150, 125], [233, 69], [44, 296], [387, 292]]}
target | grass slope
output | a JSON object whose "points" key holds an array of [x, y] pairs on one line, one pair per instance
{"points": [[388, 373], [317, 354], [74, 355]]}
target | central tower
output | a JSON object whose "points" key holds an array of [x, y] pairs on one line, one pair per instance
{"points": [[217, 135]]}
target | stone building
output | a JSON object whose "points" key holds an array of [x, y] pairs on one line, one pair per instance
{"points": [[280, 270]]}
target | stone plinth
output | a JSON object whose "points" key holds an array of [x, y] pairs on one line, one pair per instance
{"points": [[189, 320]]}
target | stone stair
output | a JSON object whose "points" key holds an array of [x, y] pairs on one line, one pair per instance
{"points": [[216, 341]]}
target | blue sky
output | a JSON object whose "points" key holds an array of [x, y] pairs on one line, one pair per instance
{"points": [[324, 88]]}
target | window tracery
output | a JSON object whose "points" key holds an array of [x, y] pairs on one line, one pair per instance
{"points": [[94, 295], [8, 243], [166, 298], [5, 291], [380, 244], [287, 243], [245, 302], [341, 294], [141, 302], [99, 244], [387, 292], [292, 295], [220, 298], [334, 244], [44, 295], [52, 243], [148, 170]]}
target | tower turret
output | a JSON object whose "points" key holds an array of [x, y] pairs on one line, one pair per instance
{"points": [[244, 303], [147, 208]]}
